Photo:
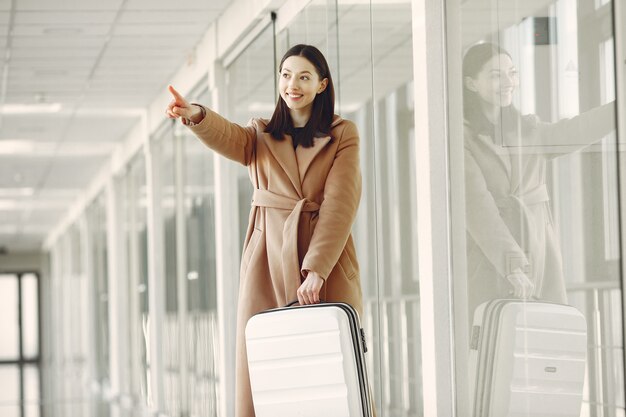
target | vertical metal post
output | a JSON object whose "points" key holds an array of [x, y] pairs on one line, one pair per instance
{"points": [[181, 271], [87, 244], [156, 272], [227, 256], [433, 209], [619, 20], [118, 355]]}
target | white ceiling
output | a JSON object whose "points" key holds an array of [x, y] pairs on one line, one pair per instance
{"points": [[102, 58], [97, 59]]}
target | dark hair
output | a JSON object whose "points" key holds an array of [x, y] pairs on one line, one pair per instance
{"points": [[473, 62], [323, 105]]}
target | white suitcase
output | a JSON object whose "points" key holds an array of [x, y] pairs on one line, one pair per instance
{"points": [[308, 361], [527, 359]]}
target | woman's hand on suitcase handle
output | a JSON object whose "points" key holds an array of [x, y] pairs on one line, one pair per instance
{"points": [[309, 291], [523, 287]]}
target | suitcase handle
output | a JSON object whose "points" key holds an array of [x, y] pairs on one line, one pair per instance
{"points": [[297, 302]]}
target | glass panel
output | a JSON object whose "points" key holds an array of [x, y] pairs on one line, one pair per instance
{"points": [[9, 320], [9, 391], [137, 244], [393, 157], [369, 49], [203, 342], [170, 326], [251, 84], [96, 224], [538, 202], [32, 393], [30, 316]]}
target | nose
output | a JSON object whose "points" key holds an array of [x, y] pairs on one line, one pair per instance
{"points": [[293, 82]]}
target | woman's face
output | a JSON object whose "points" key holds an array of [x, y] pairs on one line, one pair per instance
{"points": [[299, 84], [496, 81]]}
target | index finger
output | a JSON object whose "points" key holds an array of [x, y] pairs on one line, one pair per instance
{"points": [[178, 98]]}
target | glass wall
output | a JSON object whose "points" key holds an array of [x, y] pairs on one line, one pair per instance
{"points": [[534, 203], [251, 92], [533, 87], [96, 227], [136, 373], [171, 333], [369, 49], [200, 272]]}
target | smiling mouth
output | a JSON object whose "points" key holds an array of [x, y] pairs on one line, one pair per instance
{"points": [[294, 96]]}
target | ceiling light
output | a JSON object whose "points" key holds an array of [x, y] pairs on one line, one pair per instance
{"points": [[17, 192], [15, 147], [63, 31], [30, 108], [7, 204]]}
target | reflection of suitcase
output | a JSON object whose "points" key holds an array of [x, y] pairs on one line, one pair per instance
{"points": [[308, 361], [527, 359]]}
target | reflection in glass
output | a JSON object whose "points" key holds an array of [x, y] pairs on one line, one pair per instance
{"points": [[540, 194], [513, 249]]}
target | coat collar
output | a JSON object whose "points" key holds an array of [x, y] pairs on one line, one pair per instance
{"points": [[485, 144], [296, 164]]}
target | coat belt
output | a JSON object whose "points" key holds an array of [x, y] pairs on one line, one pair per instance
{"points": [[537, 195], [289, 255], [530, 238]]}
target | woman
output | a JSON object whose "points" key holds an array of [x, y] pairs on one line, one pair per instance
{"points": [[512, 243], [304, 166]]}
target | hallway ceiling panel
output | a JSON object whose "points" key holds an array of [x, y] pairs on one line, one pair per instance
{"points": [[40, 5], [42, 127], [77, 73]]}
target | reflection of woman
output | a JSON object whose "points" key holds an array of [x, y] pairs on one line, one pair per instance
{"points": [[304, 166], [512, 242]]}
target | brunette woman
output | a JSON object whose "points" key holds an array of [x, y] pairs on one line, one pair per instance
{"points": [[512, 246], [304, 166]]}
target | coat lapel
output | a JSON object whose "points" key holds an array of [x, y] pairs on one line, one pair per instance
{"points": [[502, 155], [286, 157], [305, 156]]}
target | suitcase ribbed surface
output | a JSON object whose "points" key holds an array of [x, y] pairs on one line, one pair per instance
{"points": [[531, 360], [303, 362]]}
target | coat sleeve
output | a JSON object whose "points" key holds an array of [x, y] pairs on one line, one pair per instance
{"points": [[342, 193], [228, 139], [485, 225], [577, 132]]}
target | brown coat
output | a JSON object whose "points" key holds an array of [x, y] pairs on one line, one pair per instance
{"points": [[303, 207]]}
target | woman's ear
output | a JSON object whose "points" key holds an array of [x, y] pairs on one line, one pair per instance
{"points": [[470, 84], [323, 86]]}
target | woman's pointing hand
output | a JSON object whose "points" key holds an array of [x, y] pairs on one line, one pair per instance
{"points": [[179, 107]]}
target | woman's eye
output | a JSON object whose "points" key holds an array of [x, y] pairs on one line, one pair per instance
{"points": [[305, 78], [285, 75]]}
